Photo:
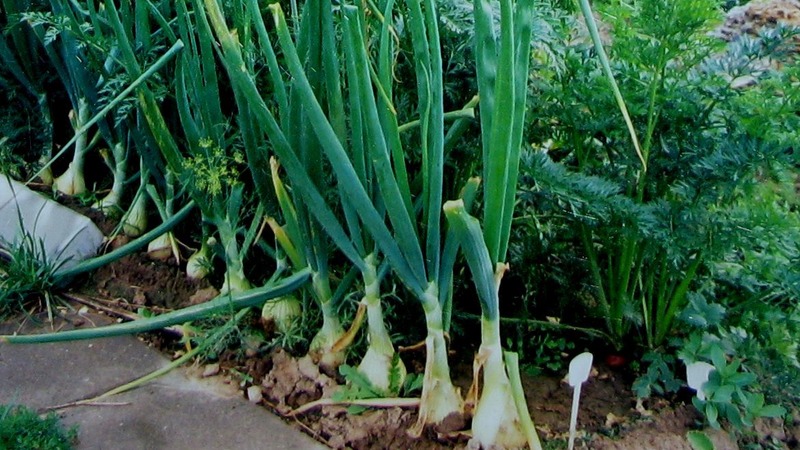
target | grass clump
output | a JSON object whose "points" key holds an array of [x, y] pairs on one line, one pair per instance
{"points": [[26, 276], [22, 429]]}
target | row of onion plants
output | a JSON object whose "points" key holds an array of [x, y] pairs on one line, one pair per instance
{"points": [[316, 127]]}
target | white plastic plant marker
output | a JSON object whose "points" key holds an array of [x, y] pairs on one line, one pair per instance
{"points": [[579, 369], [68, 237], [696, 376]]}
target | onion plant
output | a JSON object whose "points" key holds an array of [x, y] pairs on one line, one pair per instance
{"points": [[81, 69], [300, 248], [71, 182], [117, 161], [19, 51], [502, 66], [165, 245], [213, 166], [401, 241], [301, 237], [198, 265], [134, 221]]}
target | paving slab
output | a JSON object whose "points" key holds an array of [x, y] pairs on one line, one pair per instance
{"points": [[177, 411]]}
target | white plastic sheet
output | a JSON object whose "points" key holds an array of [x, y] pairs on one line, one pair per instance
{"points": [[68, 237]]}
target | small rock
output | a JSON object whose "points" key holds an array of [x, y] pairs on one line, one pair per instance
{"points": [[254, 394], [613, 420], [743, 82], [139, 298], [210, 370], [307, 368]]}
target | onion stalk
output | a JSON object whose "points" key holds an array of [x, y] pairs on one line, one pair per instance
{"points": [[118, 163], [323, 346], [327, 347], [72, 182], [379, 365], [496, 423], [235, 279], [440, 399], [165, 245]]}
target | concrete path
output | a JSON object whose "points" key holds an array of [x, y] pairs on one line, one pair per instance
{"points": [[175, 412]]}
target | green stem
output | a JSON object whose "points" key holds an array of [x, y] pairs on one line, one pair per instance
{"points": [[588, 16], [253, 297], [677, 300], [517, 392], [212, 339], [594, 268], [542, 324], [466, 113]]}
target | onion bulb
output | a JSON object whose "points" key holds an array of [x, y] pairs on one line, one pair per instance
{"points": [[281, 312]]}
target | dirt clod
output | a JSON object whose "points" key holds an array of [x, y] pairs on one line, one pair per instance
{"points": [[294, 382]]}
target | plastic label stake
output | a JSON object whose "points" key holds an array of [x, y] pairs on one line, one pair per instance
{"points": [[579, 369]]}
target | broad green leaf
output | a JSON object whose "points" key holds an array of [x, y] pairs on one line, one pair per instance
{"points": [[699, 441], [772, 411]]}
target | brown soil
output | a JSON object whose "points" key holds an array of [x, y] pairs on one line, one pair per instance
{"points": [[609, 416], [141, 281]]}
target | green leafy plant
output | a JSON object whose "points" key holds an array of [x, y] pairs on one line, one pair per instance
{"points": [[650, 222], [659, 377], [729, 396], [22, 429], [549, 355], [699, 440]]}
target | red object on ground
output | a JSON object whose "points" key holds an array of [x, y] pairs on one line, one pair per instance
{"points": [[616, 361]]}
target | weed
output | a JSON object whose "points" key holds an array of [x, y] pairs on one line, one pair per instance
{"points": [[26, 277], [550, 355], [23, 429]]}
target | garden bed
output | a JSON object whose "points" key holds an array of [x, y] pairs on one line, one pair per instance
{"points": [[403, 166], [610, 416]]}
